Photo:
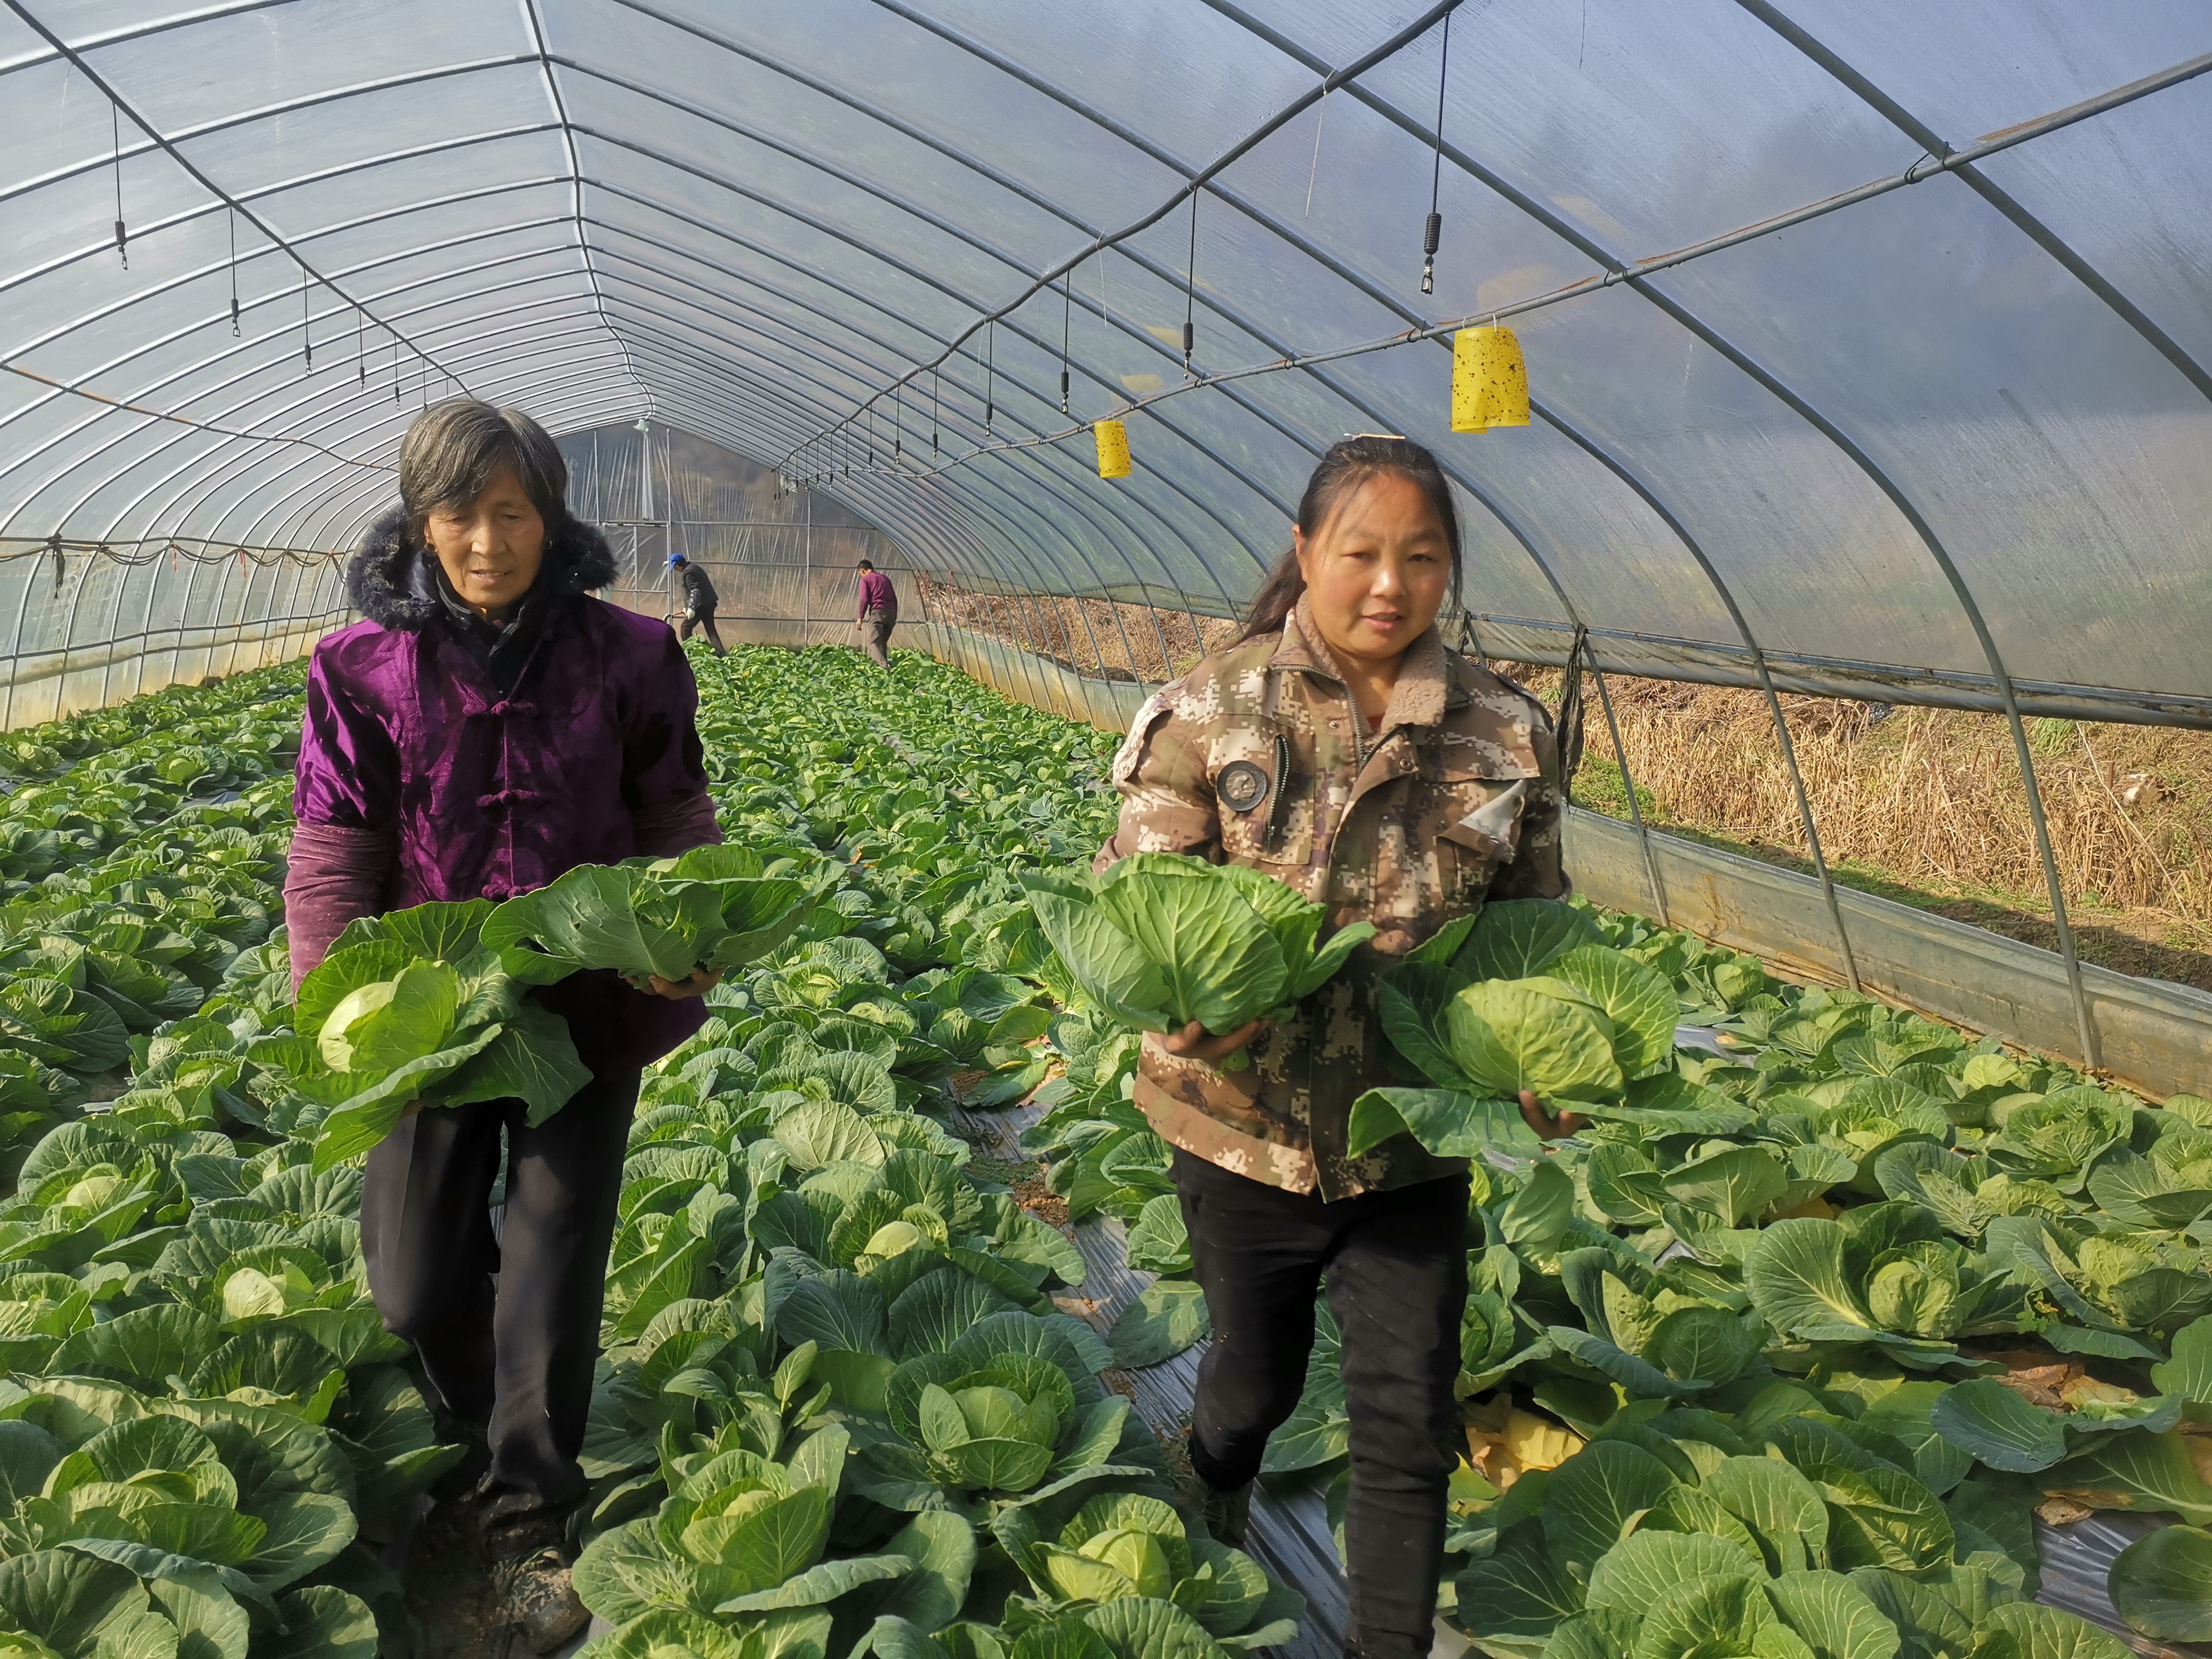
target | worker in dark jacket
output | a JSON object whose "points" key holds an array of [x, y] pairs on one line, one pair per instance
{"points": [[487, 727], [699, 601]]}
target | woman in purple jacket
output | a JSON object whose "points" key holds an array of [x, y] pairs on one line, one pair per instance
{"points": [[490, 726]]}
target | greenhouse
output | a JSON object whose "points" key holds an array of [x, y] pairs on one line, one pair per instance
{"points": [[1820, 399]]}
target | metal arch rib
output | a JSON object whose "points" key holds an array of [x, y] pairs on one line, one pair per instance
{"points": [[531, 11], [108, 314], [1644, 284], [891, 311], [1197, 178], [1704, 332], [870, 188], [149, 344], [266, 507], [1199, 504], [882, 306], [953, 538], [1956, 581], [1621, 470], [960, 157], [1249, 405], [770, 389], [1078, 504], [218, 457], [240, 350], [443, 300], [1264, 221], [352, 398], [1197, 501], [340, 411], [1293, 240], [1003, 183], [2036, 231], [279, 186], [1266, 416], [109, 92], [144, 31], [168, 479]]}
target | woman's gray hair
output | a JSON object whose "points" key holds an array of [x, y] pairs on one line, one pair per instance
{"points": [[454, 449]]}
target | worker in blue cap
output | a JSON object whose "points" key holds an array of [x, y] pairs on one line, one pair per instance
{"points": [[699, 602]]}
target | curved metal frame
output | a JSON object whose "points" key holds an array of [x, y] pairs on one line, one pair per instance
{"points": [[211, 455], [106, 90]]}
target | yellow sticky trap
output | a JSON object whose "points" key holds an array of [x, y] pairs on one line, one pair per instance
{"points": [[1113, 448], [1490, 382]]}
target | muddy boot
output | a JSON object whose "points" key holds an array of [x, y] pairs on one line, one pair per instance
{"points": [[539, 1601], [1224, 1512]]}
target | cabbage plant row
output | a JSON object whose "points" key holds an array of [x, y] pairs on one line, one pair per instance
{"points": [[838, 1410], [1787, 1349], [1781, 1354]]}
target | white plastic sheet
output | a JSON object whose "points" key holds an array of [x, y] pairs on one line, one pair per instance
{"points": [[743, 221]]}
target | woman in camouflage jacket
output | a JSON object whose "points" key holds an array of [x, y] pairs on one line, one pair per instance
{"points": [[1343, 749]]}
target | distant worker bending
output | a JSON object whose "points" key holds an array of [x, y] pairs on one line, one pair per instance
{"points": [[699, 602], [878, 614]]}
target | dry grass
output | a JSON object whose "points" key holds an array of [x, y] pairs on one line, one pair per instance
{"points": [[1929, 800], [1924, 806], [1102, 638]]}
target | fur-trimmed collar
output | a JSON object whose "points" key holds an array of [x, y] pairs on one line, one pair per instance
{"points": [[377, 576]]}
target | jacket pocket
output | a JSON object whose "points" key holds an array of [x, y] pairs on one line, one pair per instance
{"points": [[1477, 833], [1264, 807]]}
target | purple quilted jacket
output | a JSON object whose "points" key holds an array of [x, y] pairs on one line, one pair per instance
{"points": [[418, 779]]}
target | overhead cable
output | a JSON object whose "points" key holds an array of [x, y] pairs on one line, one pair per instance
{"points": [[1243, 146], [107, 90], [1925, 168]]}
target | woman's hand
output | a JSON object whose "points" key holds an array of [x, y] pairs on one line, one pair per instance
{"points": [[698, 985], [1193, 1043], [1547, 1127]]}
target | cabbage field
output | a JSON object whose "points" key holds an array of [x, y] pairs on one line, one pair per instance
{"points": [[1781, 1355]]}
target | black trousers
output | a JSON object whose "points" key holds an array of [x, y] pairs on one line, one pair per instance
{"points": [[521, 1356], [702, 619], [1396, 1268]]}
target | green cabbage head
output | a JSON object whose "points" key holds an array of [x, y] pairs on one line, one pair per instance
{"points": [[1158, 941]]}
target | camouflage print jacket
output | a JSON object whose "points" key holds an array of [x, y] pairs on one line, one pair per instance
{"points": [[1259, 756]]}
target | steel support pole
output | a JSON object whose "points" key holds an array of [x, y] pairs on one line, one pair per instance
{"points": [[1628, 788], [114, 622]]}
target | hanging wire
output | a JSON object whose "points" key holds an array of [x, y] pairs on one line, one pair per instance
{"points": [[936, 385], [306, 333], [1190, 289], [233, 274], [1432, 233], [990, 373], [1066, 316], [1313, 170], [361, 343], [122, 237], [898, 429], [395, 369]]}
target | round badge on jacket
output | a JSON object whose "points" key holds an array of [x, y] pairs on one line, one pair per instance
{"points": [[1241, 785]]}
